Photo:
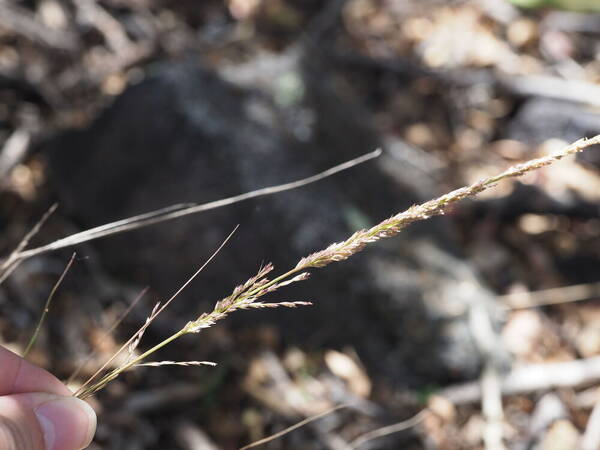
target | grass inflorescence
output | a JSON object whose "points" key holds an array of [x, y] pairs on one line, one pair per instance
{"points": [[249, 294]]}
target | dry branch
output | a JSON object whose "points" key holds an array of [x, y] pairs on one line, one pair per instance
{"points": [[389, 429], [591, 437], [23, 23], [293, 427], [13, 151], [532, 378], [552, 87], [554, 296]]}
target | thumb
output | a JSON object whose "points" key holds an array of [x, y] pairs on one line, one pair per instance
{"points": [[41, 421]]}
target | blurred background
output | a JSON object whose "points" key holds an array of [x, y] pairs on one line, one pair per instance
{"points": [[484, 323]]}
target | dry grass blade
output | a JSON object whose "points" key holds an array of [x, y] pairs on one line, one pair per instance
{"points": [[36, 228], [82, 392], [387, 430], [174, 212], [107, 333], [294, 427], [13, 260], [38, 327], [10, 268]]}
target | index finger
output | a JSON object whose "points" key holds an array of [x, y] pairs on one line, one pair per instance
{"points": [[18, 376]]}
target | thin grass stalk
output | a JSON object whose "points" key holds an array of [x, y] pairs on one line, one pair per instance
{"points": [[12, 262], [84, 393], [107, 333], [163, 215], [38, 327], [389, 429], [293, 427], [245, 295], [167, 303]]}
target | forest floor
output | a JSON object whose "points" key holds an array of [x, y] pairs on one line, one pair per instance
{"points": [[470, 86]]}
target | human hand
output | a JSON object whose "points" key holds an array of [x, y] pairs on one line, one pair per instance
{"points": [[37, 411]]}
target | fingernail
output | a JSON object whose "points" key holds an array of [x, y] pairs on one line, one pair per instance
{"points": [[68, 423]]}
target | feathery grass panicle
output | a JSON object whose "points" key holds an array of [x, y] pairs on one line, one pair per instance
{"points": [[253, 283], [392, 226], [245, 296]]}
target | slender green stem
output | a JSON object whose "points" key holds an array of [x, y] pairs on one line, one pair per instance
{"points": [[115, 373], [106, 334], [274, 281], [83, 388], [157, 347], [38, 327]]}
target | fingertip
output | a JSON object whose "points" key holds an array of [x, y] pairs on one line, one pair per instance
{"points": [[20, 376], [68, 423]]}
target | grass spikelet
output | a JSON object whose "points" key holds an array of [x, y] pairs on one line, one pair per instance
{"points": [[258, 305], [137, 337], [176, 363]]}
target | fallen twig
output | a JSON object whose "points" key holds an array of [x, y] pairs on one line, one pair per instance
{"points": [[554, 296], [293, 427], [487, 341], [23, 23], [13, 151], [552, 87], [591, 437], [531, 378], [389, 429]]}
